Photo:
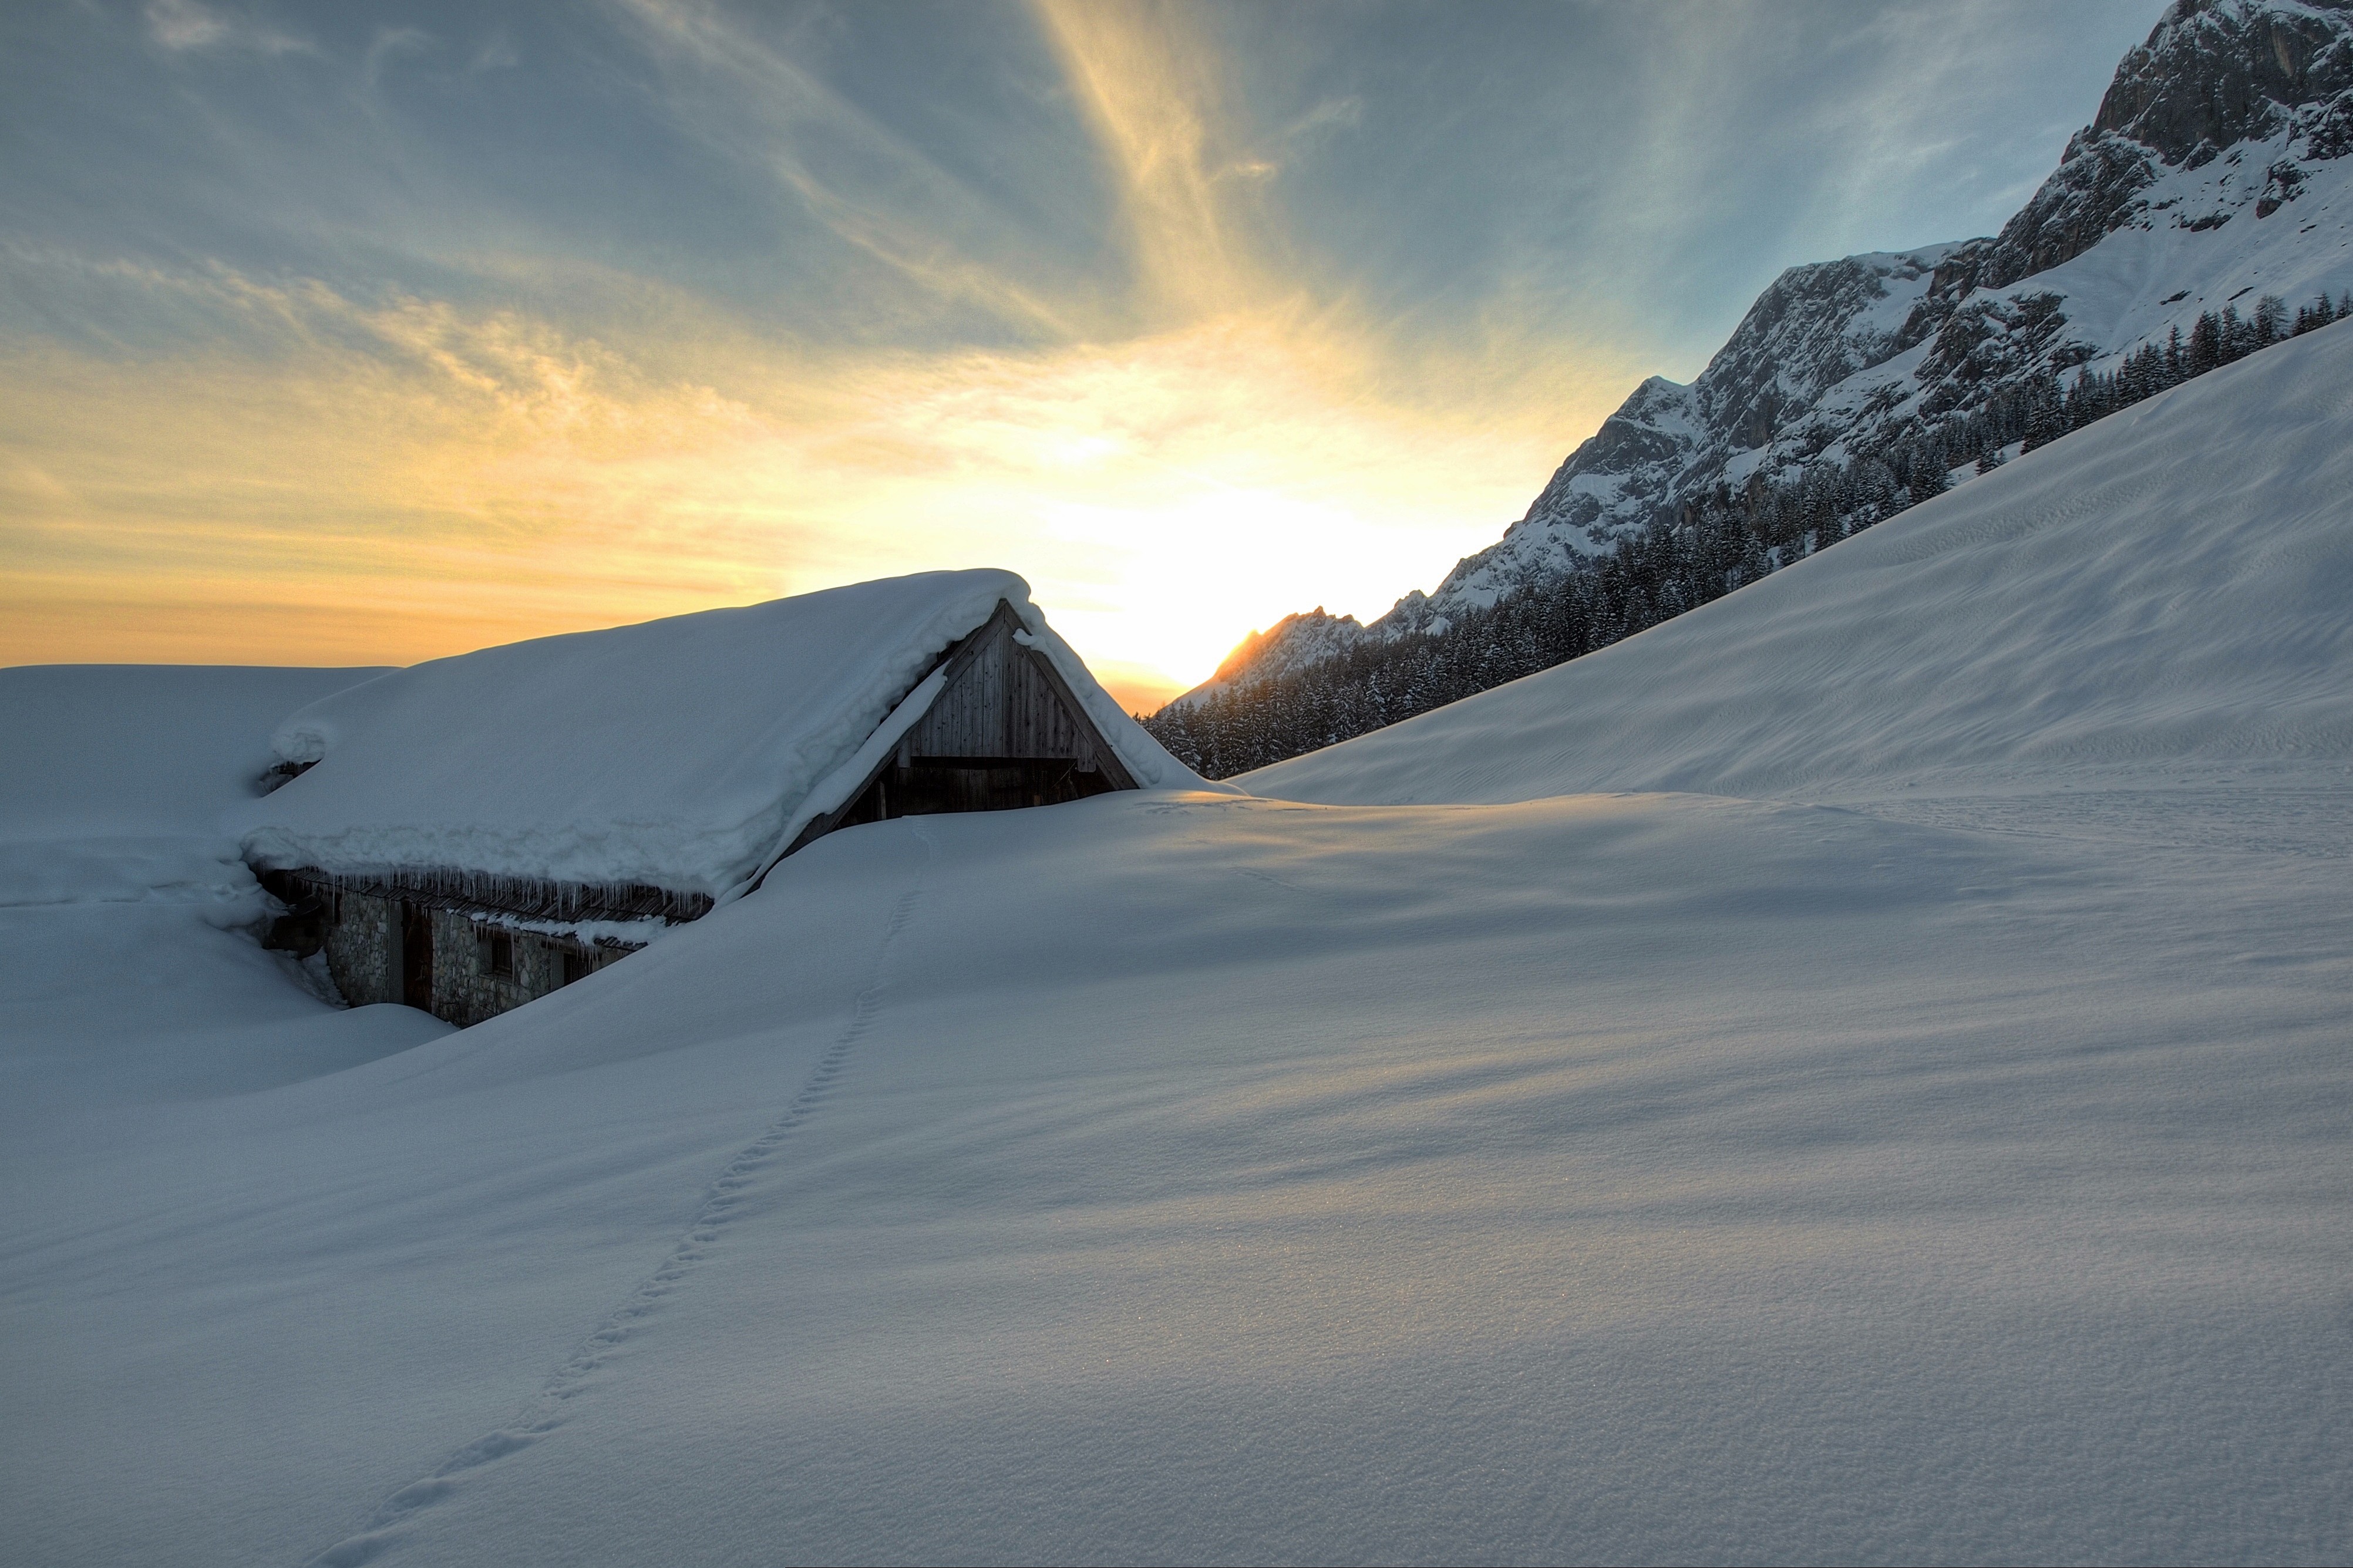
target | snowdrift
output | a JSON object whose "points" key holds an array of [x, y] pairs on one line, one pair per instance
{"points": [[2160, 596], [683, 754]]}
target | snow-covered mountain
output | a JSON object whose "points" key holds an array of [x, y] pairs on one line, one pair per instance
{"points": [[2159, 599], [1299, 639], [2214, 175]]}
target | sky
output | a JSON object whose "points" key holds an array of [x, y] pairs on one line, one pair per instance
{"points": [[340, 334]]}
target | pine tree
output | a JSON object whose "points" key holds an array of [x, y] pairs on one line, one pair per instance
{"points": [[2270, 318], [2205, 344]]}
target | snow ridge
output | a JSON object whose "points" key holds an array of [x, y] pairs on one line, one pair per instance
{"points": [[2158, 599]]}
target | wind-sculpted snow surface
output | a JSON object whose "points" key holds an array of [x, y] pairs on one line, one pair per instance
{"points": [[1953, 1173], [1655, 1177]]}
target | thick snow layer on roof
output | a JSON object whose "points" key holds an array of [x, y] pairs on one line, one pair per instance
{"points": [[113, 778], [2161, 594], [683, 753], [142, 748]]}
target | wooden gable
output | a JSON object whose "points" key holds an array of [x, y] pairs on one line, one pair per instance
{"points": [[1005, 731], [1005, 702]]}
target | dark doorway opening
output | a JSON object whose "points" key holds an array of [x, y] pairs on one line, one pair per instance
{"points": [[930, 785], [417, 956]]}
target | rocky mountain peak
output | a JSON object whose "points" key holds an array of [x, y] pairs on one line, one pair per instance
{"points": [[1813, 327], [2260, 90], [2213, 75], [1297, 639], [2217, 72]]}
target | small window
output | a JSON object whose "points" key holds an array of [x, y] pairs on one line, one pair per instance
{"points": [[577, 966], [494, 954]]}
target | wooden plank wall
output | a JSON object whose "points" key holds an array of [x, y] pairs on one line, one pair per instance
{"points": [[1005, 731], [1000, 702]]}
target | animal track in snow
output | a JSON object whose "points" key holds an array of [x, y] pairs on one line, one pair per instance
{"points": [[546, 1411]]}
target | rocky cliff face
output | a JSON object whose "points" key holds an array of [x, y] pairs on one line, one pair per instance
{"points": [[2215, 172], [2214, 76], [2230, 112], [1812, 330]]}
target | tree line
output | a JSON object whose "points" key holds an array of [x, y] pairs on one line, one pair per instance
{"points": [[1719, 541]]}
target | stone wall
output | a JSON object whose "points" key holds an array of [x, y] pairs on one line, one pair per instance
{"points": [[363, 945], [481, 965], [467, 982]]}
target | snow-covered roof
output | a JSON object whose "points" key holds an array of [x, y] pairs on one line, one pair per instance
{"points": [[683, 753]]}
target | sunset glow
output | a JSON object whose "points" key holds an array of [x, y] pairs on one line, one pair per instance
{"points": [[1131, 366], [488, 479]]}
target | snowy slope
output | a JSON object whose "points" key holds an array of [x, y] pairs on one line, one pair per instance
{"points": [[1183, 1176], [683, 753], [1652, 1179], [1193, 1178], [2161, 596]]}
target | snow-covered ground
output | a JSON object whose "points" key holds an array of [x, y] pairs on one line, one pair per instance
{"points": [[1911, 1124]]}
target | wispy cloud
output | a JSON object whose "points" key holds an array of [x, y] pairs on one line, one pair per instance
{"points": [[1154, 92], [390, 44], [185, 25], [497, 53], [737, 92]]}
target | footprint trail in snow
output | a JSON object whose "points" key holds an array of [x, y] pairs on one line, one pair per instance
{"points": [[546, 1412]]}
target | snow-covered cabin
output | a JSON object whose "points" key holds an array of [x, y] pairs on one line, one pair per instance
{"points": [[472, 833]]}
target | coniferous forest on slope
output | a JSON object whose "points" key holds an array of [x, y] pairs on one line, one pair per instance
{"points": [[1726, 540]]}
